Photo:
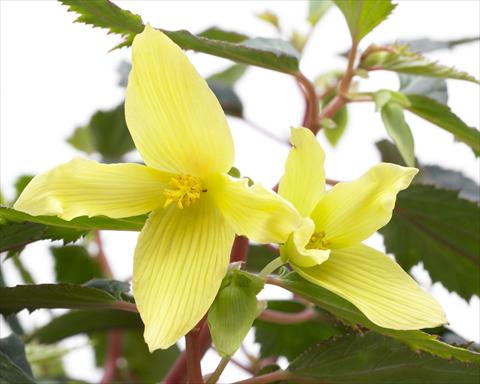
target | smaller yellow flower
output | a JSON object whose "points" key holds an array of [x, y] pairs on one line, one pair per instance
{"points": [[326, 249]]}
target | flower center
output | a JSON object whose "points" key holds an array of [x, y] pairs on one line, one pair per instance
{"points": [[184, 191], [317, 241]]}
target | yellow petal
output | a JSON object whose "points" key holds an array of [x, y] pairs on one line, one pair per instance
{"points": [[303, 182], [295, 249], [378, 287], [180, 260], [351, 212], [86, 188], [255, 212], [175, 120]]}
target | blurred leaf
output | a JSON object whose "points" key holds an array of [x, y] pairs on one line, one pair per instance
{"points": [[24, 273], [258, 257], [11, 320], [399, 59], [429, 45], [230, 75], [435, 227], [85, 321], [69, 296], [342, 309], [270, 18], [106, 134], [10, 373], [73, 264], [21, 183], [84, 223], [118, 289], [426, 86], [228, 98], [233, 311], [374, 359], [12, 347], [317, 9], [442, 116], [398, 129], [290, 340], [364, 15], [340, 120], [47, 364], [215, 33]]}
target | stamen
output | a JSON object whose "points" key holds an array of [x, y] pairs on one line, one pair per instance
{"points": [[317, 241], [184, 190]]}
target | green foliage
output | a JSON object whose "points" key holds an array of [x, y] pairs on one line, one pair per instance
{"points": [[374, 359], [442, 116], [429, 45], [435, 227], [73, 264], [258, 257], [228, 98], [399, 58], [11, 373], [69, 296], [427, 86], [290, 340], [344, 310], [270, 18], [235, 308], [12, 347], [215, 33], [364, 15], [229, 76], [317, 9]]}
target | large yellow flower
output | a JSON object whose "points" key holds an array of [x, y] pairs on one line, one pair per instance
{"points": [[326, 249], [181, 132]]}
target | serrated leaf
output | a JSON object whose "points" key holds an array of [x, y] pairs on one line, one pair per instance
{"points": [[375, 359], [398, 129], [442, 116], [85, 321], [215, 33], [317, 9], [69, 296], [400, 59], [364, 15], [13, 347], [344, 310], [73, 264], [435, 227], [290, 340], [426, 86]]}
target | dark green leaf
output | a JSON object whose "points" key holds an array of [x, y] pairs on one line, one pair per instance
{"points": [[118, 289], [83, 223], [317, 9], [12, 347], [227, 97], [364, 15], [73, 264], [374, 359], [21, 183], [290, 340], [10, 373], [399, 59], [69, 296], [215, 33], [435, 227], [85, 321], [342, 309], [427, 86], [107, 135], [258, 257], [229, 76], [442, 116], [22, 270], [398, 129]]}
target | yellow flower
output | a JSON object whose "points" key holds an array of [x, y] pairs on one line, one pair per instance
{"points": [[326, 249], [181, 132]]}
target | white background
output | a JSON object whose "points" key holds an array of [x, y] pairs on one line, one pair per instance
{"points": [[55, 74]]}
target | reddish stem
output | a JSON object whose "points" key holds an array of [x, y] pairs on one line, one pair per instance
{"points": [[102, 258], [194, 369], [310, 119], [113, 353], [267, 378]]}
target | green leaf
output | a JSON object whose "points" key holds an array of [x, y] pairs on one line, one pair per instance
{"points": [[429, 45], [364, 15], [374, 359], [83, 322], [442, 116], [229, 76], [134, 223], [426, 86], [435, 227], [317, 9], [69, 296], [258, 257], [215, 33], [342, 309], [12, 347], [233, 311], [398, 129], [227, 97], [340, 120], [118, 289], [73, 264], [21, 183], [290, 340], [11, 373], [106, 134], [270, 18], [399, 59]]}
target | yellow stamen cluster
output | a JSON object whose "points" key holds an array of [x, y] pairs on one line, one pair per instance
{"points": [[184, 190], [317, 241]]}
